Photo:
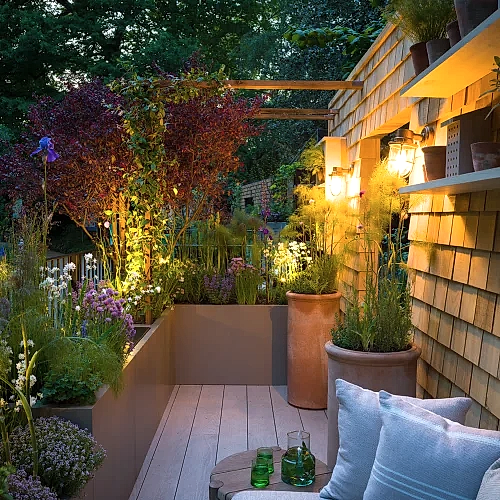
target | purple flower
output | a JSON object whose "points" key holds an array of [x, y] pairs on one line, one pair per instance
{"points": [[45, 144], [264, 230]]}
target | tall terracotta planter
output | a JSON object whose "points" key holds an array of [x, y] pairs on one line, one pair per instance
{"points": [[310, 320], [485, 155], [434, 162], [394, 372], [419, 57]]}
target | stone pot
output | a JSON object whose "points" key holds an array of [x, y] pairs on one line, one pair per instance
{"points": [[394, 372], [436, 48], [485, 155], [453, 31], [471, 13], [310, 320], [434, 162], [419, 57]]}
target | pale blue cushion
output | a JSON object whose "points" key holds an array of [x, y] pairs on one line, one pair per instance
{"points": [[359, 425], [423, 455], [490, 485]]}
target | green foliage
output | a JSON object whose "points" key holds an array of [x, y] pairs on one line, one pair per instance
{"points": [[78, 369], [421, 20], [281, 201], [355, 43], [320, 277], [494, 84], [5, 472]]}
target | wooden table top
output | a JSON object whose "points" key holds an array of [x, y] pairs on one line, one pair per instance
{"points": [[232, 475]]}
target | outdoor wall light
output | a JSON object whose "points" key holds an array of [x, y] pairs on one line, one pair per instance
{"points": [[337, 179], [402, 150]]}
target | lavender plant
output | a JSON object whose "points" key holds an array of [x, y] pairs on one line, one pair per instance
{"points": [[219, 287], [69, 456]]}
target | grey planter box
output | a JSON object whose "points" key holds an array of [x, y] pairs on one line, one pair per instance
{"points": [[230, 344], [125, 425]]}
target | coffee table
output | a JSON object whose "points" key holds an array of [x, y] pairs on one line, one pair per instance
{"points": [[232, 475]]}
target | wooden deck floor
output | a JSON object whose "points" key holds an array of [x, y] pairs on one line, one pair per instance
{"points": [[204, 424]]}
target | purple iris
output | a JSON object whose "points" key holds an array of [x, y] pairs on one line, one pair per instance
{"points": [[46, 144]]}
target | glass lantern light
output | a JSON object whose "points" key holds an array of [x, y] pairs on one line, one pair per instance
{"points": [[402, 151], [336, 182]]}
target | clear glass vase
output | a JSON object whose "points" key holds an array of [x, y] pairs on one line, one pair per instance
{"points": [[298, 463]]}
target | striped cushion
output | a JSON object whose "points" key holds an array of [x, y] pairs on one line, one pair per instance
{"points": [[359, 426], [490, 486], [423, 456]]}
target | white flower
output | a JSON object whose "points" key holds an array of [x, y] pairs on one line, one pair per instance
{"points": [[40, 395], [88, 256], [32, 380], [21, 356], [158, 289], [77, 308], [32, 401], [30, 342]]}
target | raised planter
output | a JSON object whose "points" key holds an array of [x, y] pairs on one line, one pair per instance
{"points": [[125, 425], [394, 372], [230, 344]]}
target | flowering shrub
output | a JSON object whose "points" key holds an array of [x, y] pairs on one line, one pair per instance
{"points": [[68, 459], [23, 486]]}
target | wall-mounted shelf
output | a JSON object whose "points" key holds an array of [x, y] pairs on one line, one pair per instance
{"points": [[464, 183], [462, 65]]}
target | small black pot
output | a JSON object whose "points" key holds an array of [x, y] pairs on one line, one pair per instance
{"points": [[453, 31], [436, 48], [471, 13], [419, 57]]}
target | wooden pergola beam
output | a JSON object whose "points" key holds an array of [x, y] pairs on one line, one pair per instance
{"points": [[282, 84], [293, 84], [295, 114]]}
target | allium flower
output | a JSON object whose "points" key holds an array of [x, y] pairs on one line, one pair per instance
{"points": [[47, 146]]}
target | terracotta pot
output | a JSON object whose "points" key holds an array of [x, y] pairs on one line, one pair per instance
{"points": [[310, 320], [436, 48], [471, 13], [434, 162], [419, 57], [453, 31], [485, 155], [394, 372]]}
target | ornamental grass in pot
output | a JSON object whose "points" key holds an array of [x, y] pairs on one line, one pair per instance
{"points": [[372, 345], [313, 297], [424, 23]]}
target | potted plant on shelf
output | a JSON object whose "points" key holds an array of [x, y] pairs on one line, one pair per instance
{"points": [[472, 13], [424, 22], [372, 347], [486, 155], [313, 296]]}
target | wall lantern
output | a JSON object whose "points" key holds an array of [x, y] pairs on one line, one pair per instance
{"points": [[337, 179], [402, 150]]}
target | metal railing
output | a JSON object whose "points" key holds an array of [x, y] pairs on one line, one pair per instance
{"points": [[79, 260]]}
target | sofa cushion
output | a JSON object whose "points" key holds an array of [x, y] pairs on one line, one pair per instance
{"points": [[490, 485], [423, 455], [359, 426], [275, 495]]}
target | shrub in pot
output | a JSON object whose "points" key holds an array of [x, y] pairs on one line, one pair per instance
{"points": [[486, 155], [422, 21], [372, 346]]}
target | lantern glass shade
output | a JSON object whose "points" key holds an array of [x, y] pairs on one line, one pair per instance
{"points": [[335, 184], [401, 158]]}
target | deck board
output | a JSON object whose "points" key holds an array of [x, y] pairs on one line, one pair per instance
{"points": [[233, 436], [201, 452], [204, 424]]}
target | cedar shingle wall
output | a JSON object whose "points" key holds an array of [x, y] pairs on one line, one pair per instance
{"points": [[456, 310]]}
